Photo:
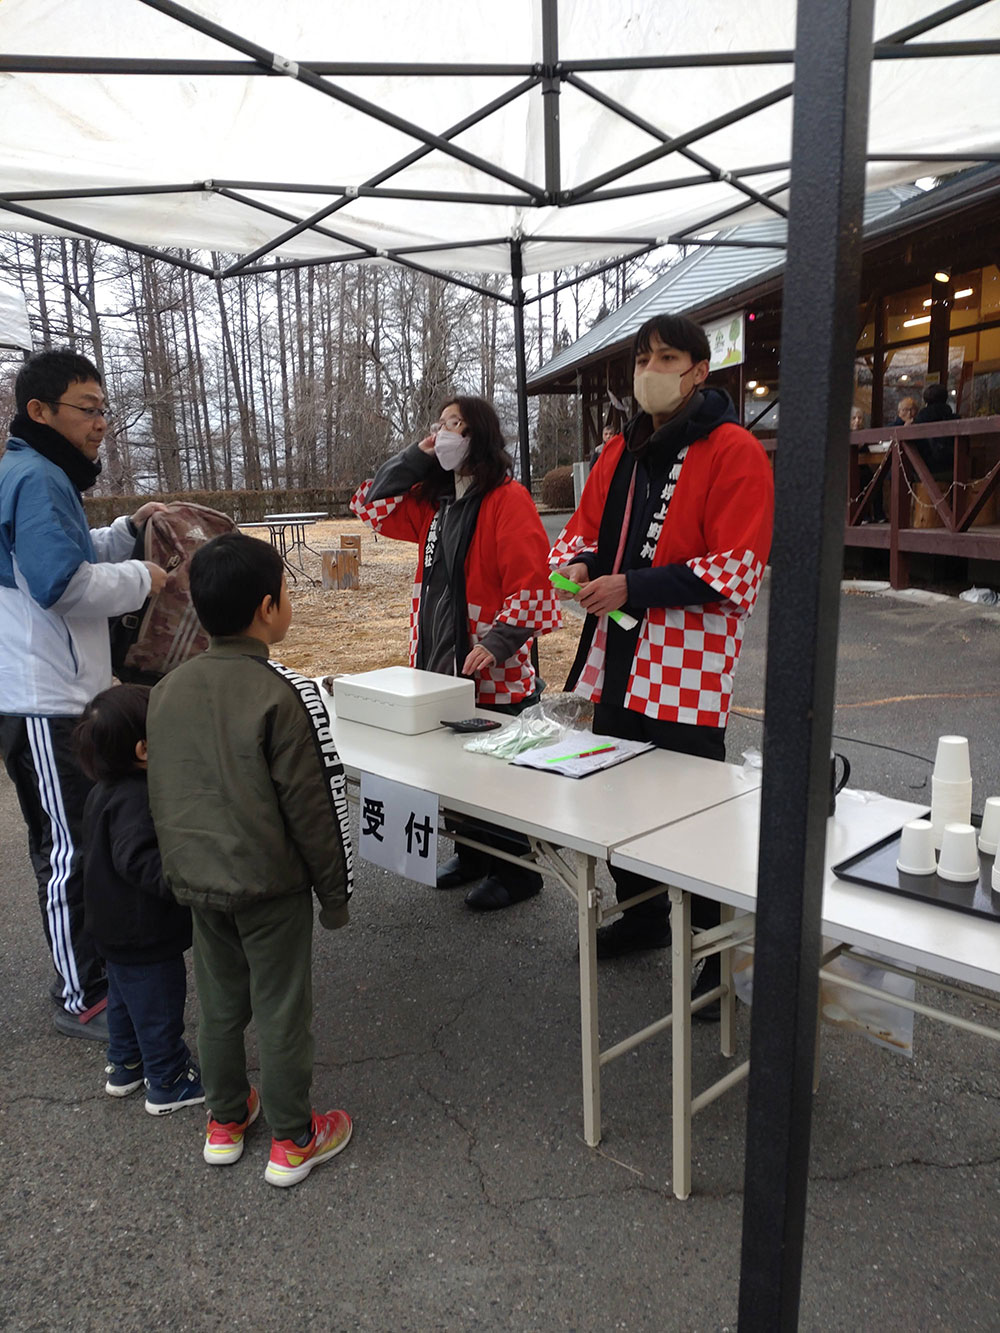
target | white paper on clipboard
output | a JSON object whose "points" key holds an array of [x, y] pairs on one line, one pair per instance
{"points": [[580, 753]]}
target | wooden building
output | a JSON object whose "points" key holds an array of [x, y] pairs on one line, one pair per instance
{"points": [[929, 312]]}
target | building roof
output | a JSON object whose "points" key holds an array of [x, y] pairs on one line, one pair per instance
{"points": [[706, 278]]}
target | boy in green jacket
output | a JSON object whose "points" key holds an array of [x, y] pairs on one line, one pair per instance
{"points": [[248, 798]]}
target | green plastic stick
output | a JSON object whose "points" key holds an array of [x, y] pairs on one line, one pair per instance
{"points": [[561, 581]]}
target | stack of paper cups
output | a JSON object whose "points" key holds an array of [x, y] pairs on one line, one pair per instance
{"points": [[989, 834], [951, 785]]}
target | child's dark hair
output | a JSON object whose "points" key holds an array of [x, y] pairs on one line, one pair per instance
{"points": [[112, 725], [230, 577], [674, 331], [47, 375]]}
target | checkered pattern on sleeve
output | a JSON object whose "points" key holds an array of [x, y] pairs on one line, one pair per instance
{"points": [[532, 608], [566, 549], [414, 617], [735, 576], [378, 511], [684, 664], [507, 682]]}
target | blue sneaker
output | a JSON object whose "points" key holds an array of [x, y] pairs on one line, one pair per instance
{"points": [[184, 1091], [123, 1079]]}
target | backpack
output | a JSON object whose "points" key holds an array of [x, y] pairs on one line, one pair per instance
{"points": [[165, 631]]}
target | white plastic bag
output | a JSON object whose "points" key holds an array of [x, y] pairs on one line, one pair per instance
{"points": [[886, 1024]]}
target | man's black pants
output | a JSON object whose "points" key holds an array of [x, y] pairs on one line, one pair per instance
{"points": [[708, 743], [52, 789]]}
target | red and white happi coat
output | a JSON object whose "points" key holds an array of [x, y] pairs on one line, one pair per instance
{"points": [[718, 522], [506, 575]]}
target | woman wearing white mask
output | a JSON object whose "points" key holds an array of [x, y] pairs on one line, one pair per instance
{"points": [[481, 592]]}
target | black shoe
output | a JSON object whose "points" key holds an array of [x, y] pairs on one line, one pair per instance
{"points": [[708, 979], [624, 936], [453, 874], [91, 1025], [491, 894]]}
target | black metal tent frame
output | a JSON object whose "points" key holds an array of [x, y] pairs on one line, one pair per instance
{"points": [[832, 58]]}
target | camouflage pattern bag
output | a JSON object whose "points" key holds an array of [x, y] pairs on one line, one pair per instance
{"points": [[165, 631]]}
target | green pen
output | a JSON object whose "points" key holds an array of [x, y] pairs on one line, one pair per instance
{"points": [[583, 754], [561, 581]]}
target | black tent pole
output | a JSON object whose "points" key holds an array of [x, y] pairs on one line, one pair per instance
{"points": [[517, 273], [829, 131]]}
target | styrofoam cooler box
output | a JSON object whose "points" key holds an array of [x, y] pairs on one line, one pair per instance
{"points": [[403, 699]]}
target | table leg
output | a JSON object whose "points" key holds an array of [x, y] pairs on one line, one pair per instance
{"points": [[727, 1004], [680, 982], [586, 903]]}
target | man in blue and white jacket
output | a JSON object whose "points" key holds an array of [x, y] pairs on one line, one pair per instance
{"points": [[59, 584]]}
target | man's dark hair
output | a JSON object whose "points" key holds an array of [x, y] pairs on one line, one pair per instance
{"points": [[675, 331], [112, 725], [488, 464], [48, 375], [935, 393], [230, 577]]}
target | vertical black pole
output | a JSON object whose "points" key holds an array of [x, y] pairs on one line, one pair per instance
{"points": [[520, 356], [550, 98], [832, 70]]}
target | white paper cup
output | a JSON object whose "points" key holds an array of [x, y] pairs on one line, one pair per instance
{"points": [[995, 881], [959, 859], [952, 761], [951, 803], [916, 848], [989, 834]]}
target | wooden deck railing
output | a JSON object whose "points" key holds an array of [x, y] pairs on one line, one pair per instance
{"points": [[890, 454]]}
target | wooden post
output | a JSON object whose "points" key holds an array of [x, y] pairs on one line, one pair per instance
{"points": [[351, 541], [340, 569]]}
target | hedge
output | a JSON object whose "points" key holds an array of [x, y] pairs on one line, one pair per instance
{"points": [[243, 506], [557, 488]]}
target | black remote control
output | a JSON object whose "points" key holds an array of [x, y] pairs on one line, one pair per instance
{"points": [[472, 724]]}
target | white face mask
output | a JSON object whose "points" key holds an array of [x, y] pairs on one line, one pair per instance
{"points": [[659, 392], [451, 449]]}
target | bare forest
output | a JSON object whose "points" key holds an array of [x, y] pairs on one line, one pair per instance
{"points": [[301, 377]]}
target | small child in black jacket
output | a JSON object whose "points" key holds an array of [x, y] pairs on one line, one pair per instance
{"points": [[130, 912]]}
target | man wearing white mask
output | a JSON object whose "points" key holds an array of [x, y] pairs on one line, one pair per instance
{"points": [[480, 596], [674, 526]]}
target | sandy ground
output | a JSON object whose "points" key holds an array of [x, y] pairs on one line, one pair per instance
{"points": [[365, 628]]}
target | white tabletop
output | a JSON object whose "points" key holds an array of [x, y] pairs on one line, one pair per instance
{"points": [[589, 814], [295, 518], [714, 853]]}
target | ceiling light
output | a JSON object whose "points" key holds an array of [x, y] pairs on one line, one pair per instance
{"points": [[966, 291], [943, 275], [760, 391], [903, 379], [751, 384], [919, 319], [927, 303]]}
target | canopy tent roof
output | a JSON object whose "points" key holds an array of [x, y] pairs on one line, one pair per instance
{"points": [[443, 135]]}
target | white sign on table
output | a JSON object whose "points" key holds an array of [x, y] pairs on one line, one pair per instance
{"points": [[398, 828]]}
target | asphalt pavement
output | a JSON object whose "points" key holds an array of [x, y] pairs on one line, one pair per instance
{"points": [[467, 1198]]}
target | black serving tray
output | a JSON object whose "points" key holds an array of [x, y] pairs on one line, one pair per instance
{"points": [[875, 867]]}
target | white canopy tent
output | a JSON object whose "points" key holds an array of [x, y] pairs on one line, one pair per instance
{"points": [[517, 138], [445, 134]]}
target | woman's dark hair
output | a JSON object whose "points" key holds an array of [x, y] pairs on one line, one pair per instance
{"points": [[674, 331], [48, 375], [936, 393], [230, 577], [112, 725], [488, 464]]}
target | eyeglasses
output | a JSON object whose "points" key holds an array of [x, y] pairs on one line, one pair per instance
{"points": [[449, 423], [91, 412]]}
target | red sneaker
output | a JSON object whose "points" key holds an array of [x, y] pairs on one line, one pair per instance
{"points": [[290, 1163], [224, 1143]]}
